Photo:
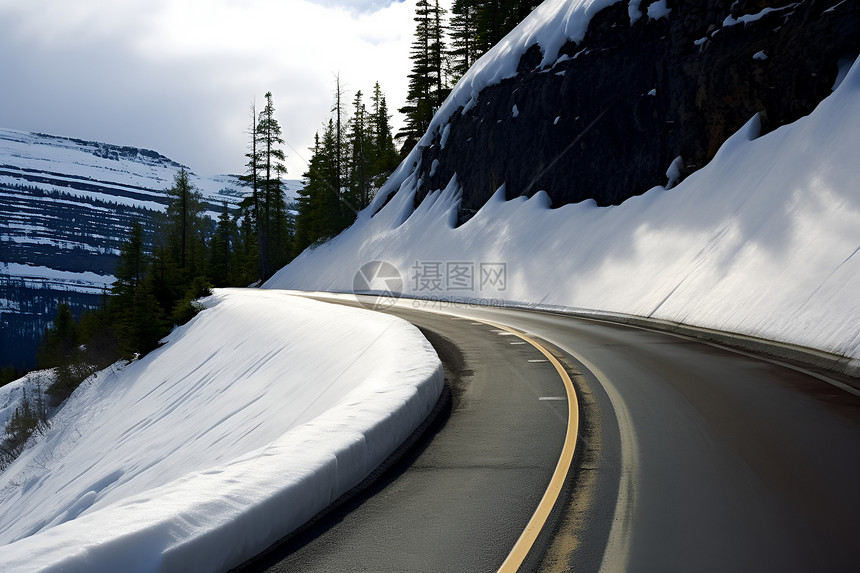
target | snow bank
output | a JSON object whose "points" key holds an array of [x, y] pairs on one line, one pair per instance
{"points": [[255, 416], [763, 241]]}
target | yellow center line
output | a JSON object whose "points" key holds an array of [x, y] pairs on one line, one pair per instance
{"points": [[528, 537]]}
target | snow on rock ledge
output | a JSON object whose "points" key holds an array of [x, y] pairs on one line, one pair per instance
{"points": [[550, 25], [256, 415]]}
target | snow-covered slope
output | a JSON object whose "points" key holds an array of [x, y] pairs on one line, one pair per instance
{"points": [[256, 415], [762, 241]]}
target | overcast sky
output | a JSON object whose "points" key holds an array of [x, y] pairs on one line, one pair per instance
{"points": [[179, 76]]}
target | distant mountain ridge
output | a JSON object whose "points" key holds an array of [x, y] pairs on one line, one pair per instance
{"points": [[103, 150], [66, 205]]}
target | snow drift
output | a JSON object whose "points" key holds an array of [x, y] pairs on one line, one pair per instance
{"points": [[254, 416], [763, 241]]}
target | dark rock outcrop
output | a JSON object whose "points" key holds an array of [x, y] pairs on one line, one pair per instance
{"points": [[606, 121]]}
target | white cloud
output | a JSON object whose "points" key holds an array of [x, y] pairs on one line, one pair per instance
{"points": [[357, 6], [179, 76]]}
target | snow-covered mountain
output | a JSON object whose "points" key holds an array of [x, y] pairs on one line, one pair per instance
{"points": [[65, 208], [763, 240]]}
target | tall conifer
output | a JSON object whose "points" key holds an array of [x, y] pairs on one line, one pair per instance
{"points": [[426, 89]]}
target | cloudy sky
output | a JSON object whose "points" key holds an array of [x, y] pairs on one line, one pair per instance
{"points": [[179, 76]]}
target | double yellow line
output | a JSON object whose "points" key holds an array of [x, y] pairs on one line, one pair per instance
{"points": [[528, 537]]}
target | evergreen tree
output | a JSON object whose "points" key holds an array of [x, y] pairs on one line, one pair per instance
{"points": [[426, 89], [338, 146], [361, 143], [246, 251], [165, 280], [222, 271], [328, 201], [251, 205], [438, 57], [60, 341], [60, 349], [96, 332], [185, 225], [495, 18], [306, 225], [320, 214], [283, 225], [28, 417], [136, 313], [132, 261], [144, 322], [271, 165], [385, 157], [464, 44]]}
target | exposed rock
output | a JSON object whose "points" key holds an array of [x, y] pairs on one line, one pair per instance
{"points": [[611, 115]]}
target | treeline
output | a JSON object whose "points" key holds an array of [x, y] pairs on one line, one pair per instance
{"points": [[351, 158], [159, 275], [182, 253], [444, 48]]}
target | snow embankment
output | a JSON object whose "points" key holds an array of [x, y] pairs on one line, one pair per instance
{"points": [[763, 241], [254, 416]]}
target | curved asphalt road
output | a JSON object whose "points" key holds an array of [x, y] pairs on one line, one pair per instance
{"points": [[690, 458]]}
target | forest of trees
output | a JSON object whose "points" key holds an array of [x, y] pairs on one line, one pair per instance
{"points": [[352, 156], [157, 278]]}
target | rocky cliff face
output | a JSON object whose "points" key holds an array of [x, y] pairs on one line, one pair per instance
{"points": [[615, 111]]}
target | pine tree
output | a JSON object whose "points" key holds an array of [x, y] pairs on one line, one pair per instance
{"points": [[319, 203], [27, 418], [464, 45], [271, 164], [385, 157], [222, 271], [251, 204], [438, 57], [284, 224], [245, 252], [361, 157], [427, 88], [495, 18], [132, 263], [185, 225], [60, 341], [339, 148], [135, 312]]}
